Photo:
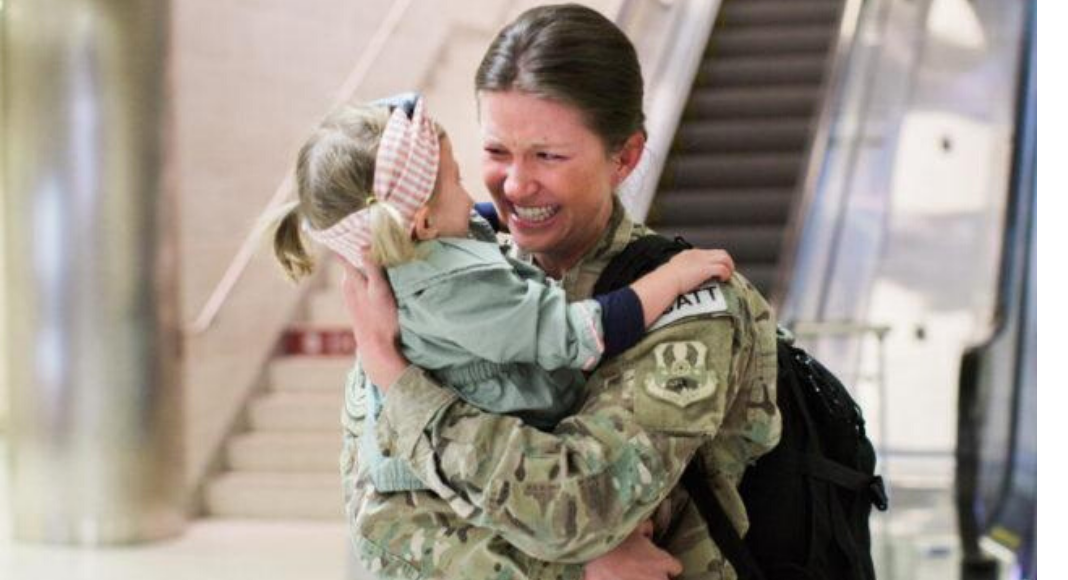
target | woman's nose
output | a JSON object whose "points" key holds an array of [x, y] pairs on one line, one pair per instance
{"points": [[518, 182]]}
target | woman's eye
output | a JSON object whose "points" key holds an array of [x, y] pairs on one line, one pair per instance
{"points": [[546, 156], [494, 151]]}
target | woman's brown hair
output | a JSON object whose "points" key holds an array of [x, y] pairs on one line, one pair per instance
{"points": [[571, 54]]}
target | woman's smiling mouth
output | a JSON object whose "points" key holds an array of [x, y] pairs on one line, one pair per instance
{"points": [[535, 214]]}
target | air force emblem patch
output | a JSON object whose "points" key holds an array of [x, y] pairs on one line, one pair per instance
{"points": [[682, 375]]}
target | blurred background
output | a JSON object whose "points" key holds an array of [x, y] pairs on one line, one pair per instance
{"points": [[169, 403]]}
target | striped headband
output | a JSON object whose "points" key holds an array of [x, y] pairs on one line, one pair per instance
{"points": [[406, 168]]}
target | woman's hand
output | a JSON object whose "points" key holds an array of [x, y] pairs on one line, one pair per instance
{"points": [[373, 314], [637, 558]]}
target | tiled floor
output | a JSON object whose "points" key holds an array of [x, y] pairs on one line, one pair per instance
{"points": [[210, 549], [915, 541]]}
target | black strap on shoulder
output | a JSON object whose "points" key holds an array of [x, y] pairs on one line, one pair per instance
{"points": [[639, 258], [719, 524]]}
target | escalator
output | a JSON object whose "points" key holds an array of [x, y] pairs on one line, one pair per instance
{"points": [[736, 166], [997, 445]]}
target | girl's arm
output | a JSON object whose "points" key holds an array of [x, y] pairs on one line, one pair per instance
{"points": [[656, 291], [685, 272]]}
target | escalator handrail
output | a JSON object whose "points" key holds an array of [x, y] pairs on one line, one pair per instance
{"points": [[1014, 275], [845, 41]]}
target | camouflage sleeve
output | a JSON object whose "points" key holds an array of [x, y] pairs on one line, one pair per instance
{"points": [[575, 493], [416, 536]]}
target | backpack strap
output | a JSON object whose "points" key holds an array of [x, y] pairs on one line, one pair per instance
{"points": [[719, 524], [639, 258]]}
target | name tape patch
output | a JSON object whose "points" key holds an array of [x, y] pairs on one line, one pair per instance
{"points": [[707, 299]]}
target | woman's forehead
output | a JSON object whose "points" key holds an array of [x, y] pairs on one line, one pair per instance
{"points": [[519, 118]]}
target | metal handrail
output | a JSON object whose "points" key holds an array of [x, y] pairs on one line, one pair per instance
{"points": [[668, 84], [846, 39], [826, 328], [210, 311]]}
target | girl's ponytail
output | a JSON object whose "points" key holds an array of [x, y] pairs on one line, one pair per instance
{"points": [[288, 246], [391, 242]]}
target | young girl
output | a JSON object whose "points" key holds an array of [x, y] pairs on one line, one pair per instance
{"points": [[382, 180]]}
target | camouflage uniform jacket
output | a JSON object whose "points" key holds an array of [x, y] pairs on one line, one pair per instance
{"points": [[510, 501]]}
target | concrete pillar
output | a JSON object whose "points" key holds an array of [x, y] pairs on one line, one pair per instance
{"points": [[95, 409]]}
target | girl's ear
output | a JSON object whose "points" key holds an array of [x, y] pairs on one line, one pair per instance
{"points": [[424, 227]]}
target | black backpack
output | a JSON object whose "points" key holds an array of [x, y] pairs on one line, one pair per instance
{"points": [[809, 499]]}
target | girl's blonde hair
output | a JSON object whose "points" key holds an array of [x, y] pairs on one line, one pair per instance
{"points": [[334, 178]]}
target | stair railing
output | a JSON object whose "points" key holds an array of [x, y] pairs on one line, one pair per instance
{"points": [[210, 311]]}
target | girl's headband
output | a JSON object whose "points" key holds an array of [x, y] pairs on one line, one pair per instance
{"points": [[406, 168]]}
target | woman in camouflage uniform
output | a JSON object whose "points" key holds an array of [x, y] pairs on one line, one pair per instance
{"points": [[560, 105]]}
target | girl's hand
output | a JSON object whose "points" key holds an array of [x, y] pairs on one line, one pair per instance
{"points": [[373, 314], [684, 272], [692, 268]]}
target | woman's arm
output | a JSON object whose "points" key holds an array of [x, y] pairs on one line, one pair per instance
{"points": [[373, 314], [599, 482], [573, 494]]}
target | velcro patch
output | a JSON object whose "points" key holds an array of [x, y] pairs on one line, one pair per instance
{"points": [[707, 299], [682, 375]]}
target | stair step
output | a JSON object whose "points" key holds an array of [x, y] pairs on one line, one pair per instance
{"points": [[762, 71], [276, 496], [308, 373], [745, 243], [294, 411], [315, 452], [330, 341], [748, 13], [748, 102], [743, 135], [788, 39], [732, 171], [766, 206]]}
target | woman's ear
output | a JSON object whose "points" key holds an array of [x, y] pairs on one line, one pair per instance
{"points": [[424, 225], [628, 157]]}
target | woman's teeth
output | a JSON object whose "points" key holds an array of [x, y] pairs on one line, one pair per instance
{"points": [[536, 214]]}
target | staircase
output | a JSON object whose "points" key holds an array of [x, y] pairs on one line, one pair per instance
{"points": [[734, 171], [285, 464]]}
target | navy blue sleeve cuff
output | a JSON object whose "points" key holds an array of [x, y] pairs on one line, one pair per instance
{"points": [[622, 320], [489, 213]]}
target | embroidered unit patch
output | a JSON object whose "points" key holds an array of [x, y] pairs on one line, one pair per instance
{"points": [[682, 375]]}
